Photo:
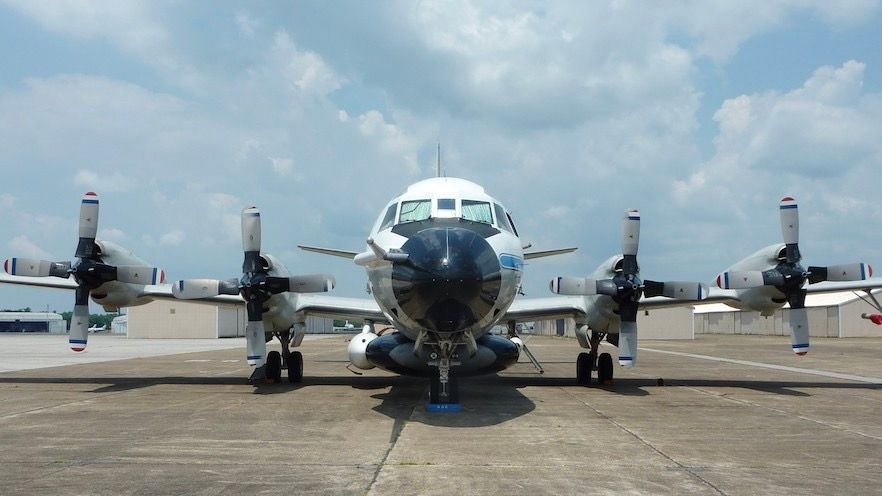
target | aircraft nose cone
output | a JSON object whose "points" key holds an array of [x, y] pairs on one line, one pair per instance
{"points": [[453, 279]]}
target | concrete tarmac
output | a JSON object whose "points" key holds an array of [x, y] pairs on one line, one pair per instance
{"points": [[736, 415]]}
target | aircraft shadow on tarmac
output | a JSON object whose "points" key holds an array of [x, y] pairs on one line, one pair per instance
{"points": [[486, 400]]}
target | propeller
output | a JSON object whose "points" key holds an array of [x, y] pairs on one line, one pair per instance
{"points": [[626, 288], [789, 277], [255, 286], [87, 269]]}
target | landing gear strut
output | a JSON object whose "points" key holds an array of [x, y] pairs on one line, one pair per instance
{"points": [[291, 360], [443, 388], [271, 372]]}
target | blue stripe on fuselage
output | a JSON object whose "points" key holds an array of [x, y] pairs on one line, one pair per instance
{"points": [[512, 262]]}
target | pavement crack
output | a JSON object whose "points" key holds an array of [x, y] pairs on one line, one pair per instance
{"points": [[785, 413], [686, 468], [398, 426]]}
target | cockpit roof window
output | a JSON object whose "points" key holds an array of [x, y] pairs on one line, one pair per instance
{"points": [[415, 210], [389, 218], [477, 211], [446, 204]]}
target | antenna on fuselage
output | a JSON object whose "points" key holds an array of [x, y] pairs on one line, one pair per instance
{"points": [[439, 160]]}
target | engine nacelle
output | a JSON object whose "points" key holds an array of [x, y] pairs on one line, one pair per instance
{"points": [[358, 346], [114, 295]]}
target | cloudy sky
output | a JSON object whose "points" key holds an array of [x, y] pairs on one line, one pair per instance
{"points": [[701, 114]]}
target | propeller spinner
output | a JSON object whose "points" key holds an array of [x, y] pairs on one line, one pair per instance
{"points": [[87, 268], [789, 277]]}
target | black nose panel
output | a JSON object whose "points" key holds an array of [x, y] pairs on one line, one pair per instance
{"points": [[452, 279]]}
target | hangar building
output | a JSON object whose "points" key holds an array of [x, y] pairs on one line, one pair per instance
{"points": [[192, 319], [32, 322], [659, 323], [830, 315], [834, 315]]}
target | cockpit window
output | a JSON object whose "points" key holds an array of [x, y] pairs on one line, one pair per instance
{"points": [[446, 204], [389, 218], [477, 211], [501, 218], [412, 211], [511, 222]]}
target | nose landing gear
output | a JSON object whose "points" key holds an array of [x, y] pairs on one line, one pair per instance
{"points": [[443, 388]]}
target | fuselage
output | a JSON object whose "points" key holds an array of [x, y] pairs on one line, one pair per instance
{"points": [[463, 268], [465, 259]]}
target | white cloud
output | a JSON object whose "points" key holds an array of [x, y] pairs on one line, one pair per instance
{"points": [[23, 247], [7, 201], [172, 238], [113, 182], [390, 138], [246, 23], [112, 234], [820, 143], [305, 71], [135, 27], [282, 166]]}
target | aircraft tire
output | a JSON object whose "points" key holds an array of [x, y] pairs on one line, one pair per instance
{"points": [[583, 369], [274, 366], [604, 368], [295, 367]]}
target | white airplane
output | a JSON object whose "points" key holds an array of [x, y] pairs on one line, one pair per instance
{"points": [[444, 263]]}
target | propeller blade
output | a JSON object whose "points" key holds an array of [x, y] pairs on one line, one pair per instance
{"points": [[630, 242], [139, 274], [79, 322], [747, 279], [631, 232], [88, 226], [679, 290], [36, 268], [255, 337], [799, 330], [194, 289], [576, 286], [311, 283], [255, 334], [790, 228], [628, 343], [251, 229], [845, 272]]}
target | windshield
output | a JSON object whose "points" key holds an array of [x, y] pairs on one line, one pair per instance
{"points": [[415, 210], [477, 211]]}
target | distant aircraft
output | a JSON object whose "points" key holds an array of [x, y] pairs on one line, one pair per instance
{"points": [[444, 262], [96, 328]]}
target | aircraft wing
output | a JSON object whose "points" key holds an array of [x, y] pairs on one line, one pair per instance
{"points": [[329, 251], [547, 253], [340, 307], [308, 304], [558, 307], [164, 292], [551, 307], [43, 282]]}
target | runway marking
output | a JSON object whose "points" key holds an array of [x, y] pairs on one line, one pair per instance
{"points": [[825, 373]]}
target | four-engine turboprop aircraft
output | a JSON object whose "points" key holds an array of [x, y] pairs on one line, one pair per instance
{"points": [[444, 263]]}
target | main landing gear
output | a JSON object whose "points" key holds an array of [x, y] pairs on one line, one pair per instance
{"points": [[271, 372], [588, 362]]}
